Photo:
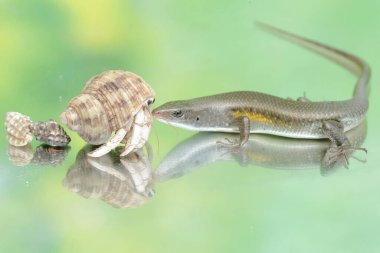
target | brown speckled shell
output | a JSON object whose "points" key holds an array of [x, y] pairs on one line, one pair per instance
{"points": [[17, 127], [50, 156], [118, 191], [108, 102], [50, 132]]}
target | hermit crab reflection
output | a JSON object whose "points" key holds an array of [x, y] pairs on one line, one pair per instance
{"points": [[122, 182], [262, 150], [44, 155]]}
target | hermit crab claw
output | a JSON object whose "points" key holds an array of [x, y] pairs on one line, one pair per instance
{"points": [[140, 131]]}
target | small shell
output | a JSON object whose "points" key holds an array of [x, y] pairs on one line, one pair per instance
{"points": [[20, 131], [108, 102], [115, 180], [17, 126], [50, 133]]}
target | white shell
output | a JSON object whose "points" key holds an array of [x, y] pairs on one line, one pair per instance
{"points": [[18, 129]]}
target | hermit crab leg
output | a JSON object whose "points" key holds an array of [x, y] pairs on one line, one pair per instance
{"points": [[140, 131], [111, 144]]}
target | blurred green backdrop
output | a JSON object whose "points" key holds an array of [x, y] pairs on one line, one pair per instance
{"points": [[185, 49]]}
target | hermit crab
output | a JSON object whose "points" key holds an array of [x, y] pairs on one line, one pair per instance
{"points": [[113, 101]]}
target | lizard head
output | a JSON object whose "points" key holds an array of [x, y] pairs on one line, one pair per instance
{"points": [[183, 114]]}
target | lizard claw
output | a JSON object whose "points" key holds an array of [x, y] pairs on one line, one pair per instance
{"points": [[338, 155], [229, 145], [227, 141]]}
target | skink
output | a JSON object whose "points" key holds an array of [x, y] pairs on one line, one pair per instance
{"points": [[248, 112]]}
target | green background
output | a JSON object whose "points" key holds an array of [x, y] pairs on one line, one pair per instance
{"points": [[186, 49]]}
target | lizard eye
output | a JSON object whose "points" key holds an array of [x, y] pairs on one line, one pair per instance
{"points": [[177, 114]]}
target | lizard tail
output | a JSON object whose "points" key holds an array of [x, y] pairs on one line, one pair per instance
{"points": [[350, 62]]}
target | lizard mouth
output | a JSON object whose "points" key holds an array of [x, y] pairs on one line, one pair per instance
{"points": [[160, 115]]}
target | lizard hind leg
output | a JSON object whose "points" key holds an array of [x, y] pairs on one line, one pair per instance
{"points": [[111, 144], [300, 99], [303, 98], [340, 149]]}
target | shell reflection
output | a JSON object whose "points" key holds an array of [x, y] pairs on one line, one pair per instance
{"points": [[44, 155], [121, 182], [20, 156], [50, 156]]}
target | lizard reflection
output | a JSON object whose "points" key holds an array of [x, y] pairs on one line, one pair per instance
{"points": [[262, 150], [122, 182], [44, 155]]}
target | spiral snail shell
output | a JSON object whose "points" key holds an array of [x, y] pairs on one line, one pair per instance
{"points": [[50, 132], [109, 103]]}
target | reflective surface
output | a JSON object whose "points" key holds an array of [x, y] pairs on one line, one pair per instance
{"points": [[261, 150], [273, 196]]}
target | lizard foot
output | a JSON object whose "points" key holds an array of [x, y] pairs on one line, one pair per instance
{"points": [[229, 142], [338, 155], [229, 145]]}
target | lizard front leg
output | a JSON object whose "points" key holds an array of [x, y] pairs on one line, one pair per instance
{"points": [[341, 148], [244, 130]]}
